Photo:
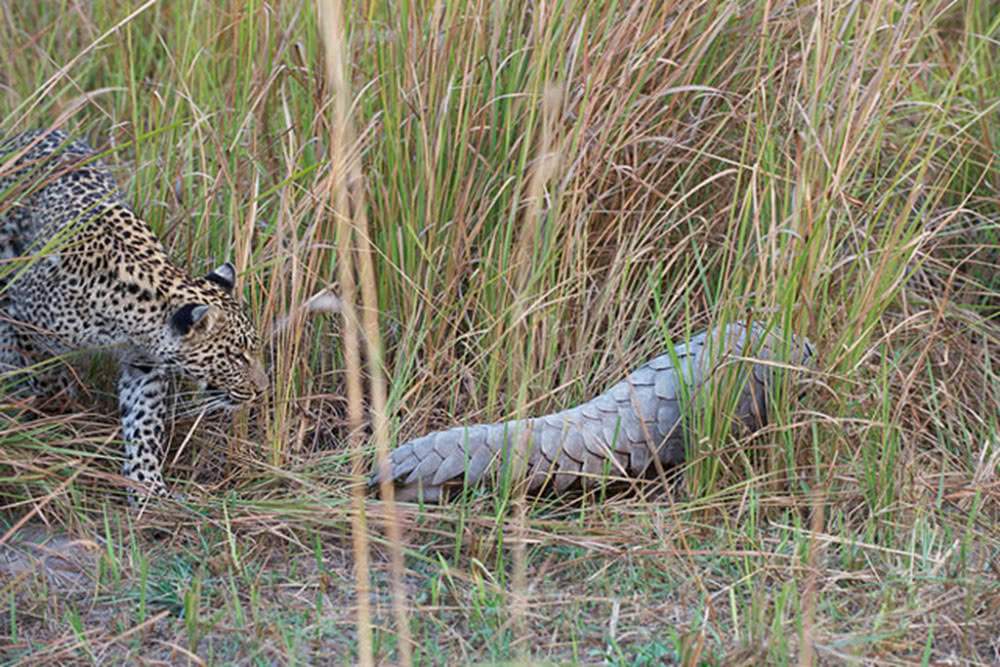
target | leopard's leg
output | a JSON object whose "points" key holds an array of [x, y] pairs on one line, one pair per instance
{"points": [[54, 380], [16, 372], [142, 393], [12, 360], [12, 357], [22, 372]]}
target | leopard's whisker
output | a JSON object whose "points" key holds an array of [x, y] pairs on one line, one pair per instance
{"points": [[188, 394], [205, 407]]}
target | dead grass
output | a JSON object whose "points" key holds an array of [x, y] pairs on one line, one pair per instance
{"points": [[554, 192]]}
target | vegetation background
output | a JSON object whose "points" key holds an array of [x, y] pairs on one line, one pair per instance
{"points": [[549, 192]]}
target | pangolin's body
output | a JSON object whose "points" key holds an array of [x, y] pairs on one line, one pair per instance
{"points": [[619, 433]]}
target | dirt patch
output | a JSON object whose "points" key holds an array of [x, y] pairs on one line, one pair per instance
{"points": [[65, 561]]}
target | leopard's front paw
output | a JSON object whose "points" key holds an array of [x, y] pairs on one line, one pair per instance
{"points": [[144, 492]]}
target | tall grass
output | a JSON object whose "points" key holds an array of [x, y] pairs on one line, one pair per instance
{"points": [[554, 192]]}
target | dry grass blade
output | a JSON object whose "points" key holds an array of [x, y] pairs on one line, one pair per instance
{"points": [[376, 374], [380, 419], [545, 163], [340, 209]]}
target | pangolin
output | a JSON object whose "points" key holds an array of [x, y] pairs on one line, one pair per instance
{"points": [[616, 434]]}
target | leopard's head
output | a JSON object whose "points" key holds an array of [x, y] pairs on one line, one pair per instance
{"points": [[211, 340]]}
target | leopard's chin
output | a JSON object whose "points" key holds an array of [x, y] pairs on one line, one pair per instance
{"points": [[227, 401]]}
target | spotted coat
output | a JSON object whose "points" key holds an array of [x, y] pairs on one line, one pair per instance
{"points": [[79, 270]]}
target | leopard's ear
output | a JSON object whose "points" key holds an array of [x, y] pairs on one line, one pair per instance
{"points": [[194, 318], [224, 276]]}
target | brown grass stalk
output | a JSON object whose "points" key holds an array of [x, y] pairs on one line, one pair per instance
{"points": [[380, 419], [544, 168], [332, 33]]}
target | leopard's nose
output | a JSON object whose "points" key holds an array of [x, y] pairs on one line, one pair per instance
{"points": [[258, 376]]}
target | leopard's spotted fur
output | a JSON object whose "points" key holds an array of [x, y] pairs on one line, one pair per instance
{"points": [[91, 274]]}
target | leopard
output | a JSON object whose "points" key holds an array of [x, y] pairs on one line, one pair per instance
{"points": [[80, 271]]}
